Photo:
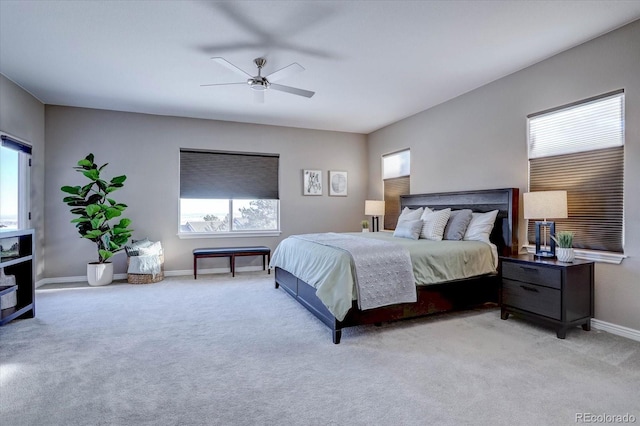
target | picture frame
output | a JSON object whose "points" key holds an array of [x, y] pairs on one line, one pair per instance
{"points": [[338, 183], [311, 182]]}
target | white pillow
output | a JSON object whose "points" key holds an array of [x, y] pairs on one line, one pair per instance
{"points": [[433, 224], [408, 229], [409, 214], [152, 249], [481, 226]]}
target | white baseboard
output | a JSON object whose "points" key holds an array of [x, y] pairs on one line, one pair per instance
{"points": [[619, 330], [177, 273]]}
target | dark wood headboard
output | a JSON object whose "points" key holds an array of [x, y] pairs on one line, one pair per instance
{"points": [[505, 230]]}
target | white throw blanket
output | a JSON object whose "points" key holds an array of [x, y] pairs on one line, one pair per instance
{"points": [[146, 264], [383, 271]]}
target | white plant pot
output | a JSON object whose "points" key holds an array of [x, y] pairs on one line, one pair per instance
{"points": [[565, 254], [365, 230], [99, 273]]}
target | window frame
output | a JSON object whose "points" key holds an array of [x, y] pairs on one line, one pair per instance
{"points": [[392, 207], [584, 253], [230, 233], [25, 153]]}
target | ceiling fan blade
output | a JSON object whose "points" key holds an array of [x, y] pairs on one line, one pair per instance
{"points": [[222, 84], [258, 96], [231, 67], [292, 90], [285, 72]]}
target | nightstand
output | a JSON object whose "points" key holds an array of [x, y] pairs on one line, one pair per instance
{"points": [[548, 291]]}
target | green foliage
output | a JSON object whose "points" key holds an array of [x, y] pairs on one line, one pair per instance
{"points": [[261, 214], [95, 211], [564, 239], [215, 223], [365, 224]]}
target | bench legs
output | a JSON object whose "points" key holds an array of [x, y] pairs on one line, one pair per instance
{"points": [[266, 258]]}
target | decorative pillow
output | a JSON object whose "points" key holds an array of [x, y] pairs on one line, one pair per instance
{"points": [[135, 246], [481, 226], [408, 229], [457, 225], [152, 249], [409, 214], [434, 223]]}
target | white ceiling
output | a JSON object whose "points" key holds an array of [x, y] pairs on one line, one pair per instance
{"points": [[371, 63]]}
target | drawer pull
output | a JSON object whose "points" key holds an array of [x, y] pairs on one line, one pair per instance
{"points": [[524, 287], [524, 268]]}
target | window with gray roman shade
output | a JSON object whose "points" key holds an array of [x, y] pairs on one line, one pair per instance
{"points": [[228, 175], [580, 148]]}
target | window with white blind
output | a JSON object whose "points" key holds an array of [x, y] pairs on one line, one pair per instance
{"points": [[580, 148], [396, 171], [228, 193]]}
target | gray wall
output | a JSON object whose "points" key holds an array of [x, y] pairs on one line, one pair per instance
{"points": [[22, 116], [478, 140], [146, 149]]}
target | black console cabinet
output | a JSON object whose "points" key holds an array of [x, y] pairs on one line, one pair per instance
{"points": [[16, 258]]}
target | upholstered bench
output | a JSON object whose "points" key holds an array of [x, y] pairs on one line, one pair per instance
{"points": [[231, 253]]}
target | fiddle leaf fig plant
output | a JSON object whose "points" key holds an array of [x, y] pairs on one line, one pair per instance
{"points": [[99, 216]]}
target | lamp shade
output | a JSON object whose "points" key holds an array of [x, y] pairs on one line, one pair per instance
{"points": [[545, 205], [374, 208]]}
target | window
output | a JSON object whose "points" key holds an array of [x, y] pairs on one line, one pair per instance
{"points": [[15, 163], [228, 193], [580, 148], [396, 168]]}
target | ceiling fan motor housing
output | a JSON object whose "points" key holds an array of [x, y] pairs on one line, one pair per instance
{"points": [[258, 83]]}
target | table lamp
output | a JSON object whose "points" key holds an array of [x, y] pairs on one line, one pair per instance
{"points": [[374, 208], [545, 205]]}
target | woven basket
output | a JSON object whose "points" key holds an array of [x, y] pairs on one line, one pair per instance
{"points": [[147, 278]]}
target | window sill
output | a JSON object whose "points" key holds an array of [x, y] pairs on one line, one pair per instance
{"points": [[191, 235], [594, 255]]}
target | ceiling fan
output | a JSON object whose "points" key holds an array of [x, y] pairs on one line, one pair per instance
{"points": [[260, 83]]}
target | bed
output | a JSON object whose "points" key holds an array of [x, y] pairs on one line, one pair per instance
{"points": [[434, 298]]}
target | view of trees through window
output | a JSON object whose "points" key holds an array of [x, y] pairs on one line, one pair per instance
{"points": [[228, 215]]}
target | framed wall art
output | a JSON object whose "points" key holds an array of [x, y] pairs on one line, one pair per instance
{"points": [[338, 183], [312, 182]]}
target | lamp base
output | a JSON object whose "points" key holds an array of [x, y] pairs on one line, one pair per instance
{"points": [[375, 223], [545, 255], [542, 250]]}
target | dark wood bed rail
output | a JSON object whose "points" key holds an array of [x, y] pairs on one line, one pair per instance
{"points": [[444, 297]]}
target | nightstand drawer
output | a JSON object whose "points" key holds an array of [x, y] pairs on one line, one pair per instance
{"points": [[549, 277], [533, 298]]}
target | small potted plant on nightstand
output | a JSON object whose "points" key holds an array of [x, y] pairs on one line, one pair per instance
{"points": [[365, 225], [564, 240]]}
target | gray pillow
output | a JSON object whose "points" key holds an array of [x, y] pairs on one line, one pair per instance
{"points": [[408, 229], [457, 225]]}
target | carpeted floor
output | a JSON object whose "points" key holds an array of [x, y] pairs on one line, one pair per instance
{"points": [[223, 351]]}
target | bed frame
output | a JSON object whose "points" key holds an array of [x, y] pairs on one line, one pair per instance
{"points": [[454, 295]]}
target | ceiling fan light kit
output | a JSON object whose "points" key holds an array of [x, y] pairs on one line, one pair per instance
{"points": [[259, 82], [262, 83]]}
